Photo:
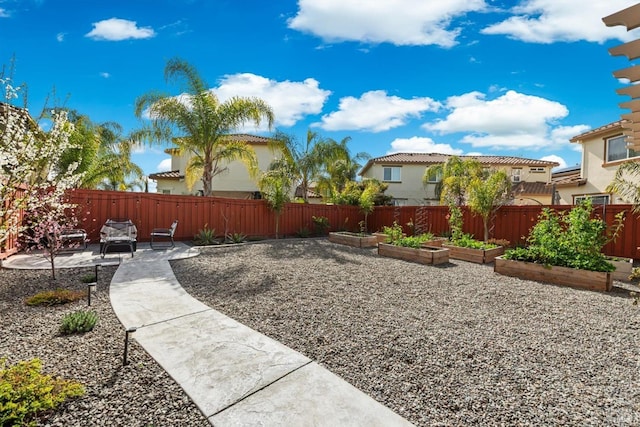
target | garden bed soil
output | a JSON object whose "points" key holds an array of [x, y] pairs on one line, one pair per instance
{"points": [[479, 256], [425, 255], [573, 277]]}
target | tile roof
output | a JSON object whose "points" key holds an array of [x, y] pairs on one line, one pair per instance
{"points": [[437, 158], [174, 175], [531, 188], [615, 126], [234, 137], [567, 178]]}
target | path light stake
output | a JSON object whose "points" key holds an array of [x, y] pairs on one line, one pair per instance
{"points": [[91, 287], [128, 332], [97, 267]]}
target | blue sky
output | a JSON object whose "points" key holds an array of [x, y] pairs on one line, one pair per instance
{"points": [[516, 78]]}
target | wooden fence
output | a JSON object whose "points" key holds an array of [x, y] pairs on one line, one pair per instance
{"points": [[253, 218]]}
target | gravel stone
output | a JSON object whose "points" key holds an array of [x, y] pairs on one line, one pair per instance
{"points": [[138, 394], [453, 345]]}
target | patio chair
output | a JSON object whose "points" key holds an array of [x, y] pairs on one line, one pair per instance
{"points": [[163, 233]]}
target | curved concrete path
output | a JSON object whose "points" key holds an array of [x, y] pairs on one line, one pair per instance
{"points": [[235, 375]]}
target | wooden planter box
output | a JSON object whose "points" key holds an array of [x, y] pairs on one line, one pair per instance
{"points": [[480, 256], [382, 238], [424, 255], [623, 269], [584, 279], [353, 239]]}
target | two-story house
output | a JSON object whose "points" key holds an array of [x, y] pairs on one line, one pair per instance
{"points": [[235, 182], [403, 173], [603, 150]]}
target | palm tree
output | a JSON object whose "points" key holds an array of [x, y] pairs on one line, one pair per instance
{"points": [[625, 184], [338, 167], [103, 155], [306, 160], [199, 124]]}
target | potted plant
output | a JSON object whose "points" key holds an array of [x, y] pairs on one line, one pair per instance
{"points": [[564, 249], [413, 248]]}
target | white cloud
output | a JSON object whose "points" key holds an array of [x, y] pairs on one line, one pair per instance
{"points": [[549, 21], [116, 29], [164, 165], [105, 75], [557, 159], [418, 144], [4, 13], [511, 121], [400, 22], [60, 37], [375, 111], [290, 101]]}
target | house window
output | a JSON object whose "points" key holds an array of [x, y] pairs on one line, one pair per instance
{"points": [[515, 175], [596, 199], [434, 178], [617, 149], [536, 170], [166, 191], [391, 173]]}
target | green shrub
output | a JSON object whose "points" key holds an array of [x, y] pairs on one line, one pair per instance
{"points": [[78, 322], [320, 225], [413, 241], [25, 391], [206, 236], [572, 239], [88, 278], [393, 233], [236, 238], [304, 232], [465, 240], [55, 297]]}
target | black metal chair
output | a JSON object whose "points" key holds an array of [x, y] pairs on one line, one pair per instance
{"points": [[164, 233]]}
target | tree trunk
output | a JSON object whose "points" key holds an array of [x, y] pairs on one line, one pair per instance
{"points": [[485, 223], [277, 224]]}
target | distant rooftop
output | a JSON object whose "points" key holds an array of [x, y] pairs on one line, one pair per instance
{"points": [[437, 158]]}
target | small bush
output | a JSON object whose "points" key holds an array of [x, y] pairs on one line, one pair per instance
{"points": [[78, 322], [55, 297], [25, 391], [413, 241], [393, 233], [236, 238], [304, 232], [88, 278], [465, 240], [320, 225], [206, 236]]}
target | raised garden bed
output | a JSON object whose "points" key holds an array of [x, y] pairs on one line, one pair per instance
{"points": [[480, 256], [353, 239], [623, 266], [425, 255], [576, 278]]}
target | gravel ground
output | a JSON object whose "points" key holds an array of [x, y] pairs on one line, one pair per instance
{"points": [[452, 345], [139, 394]]}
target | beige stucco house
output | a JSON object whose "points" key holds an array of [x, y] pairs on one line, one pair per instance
{"points": [[403, 173], [235, 182], [603, 150]]}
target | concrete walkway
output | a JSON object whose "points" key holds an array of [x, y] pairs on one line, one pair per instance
{"points": [[235, 375]]}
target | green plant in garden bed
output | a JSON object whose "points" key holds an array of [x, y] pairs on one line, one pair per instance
{"points": [[413, 241], [236, 238], [55, 297], [465, 240], [572, 239], [88, 278], [25, 391], [393, 233], [78, 322], [320, 225]]}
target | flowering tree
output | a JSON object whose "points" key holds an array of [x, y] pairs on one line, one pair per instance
{"points": [[31, 180]]}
